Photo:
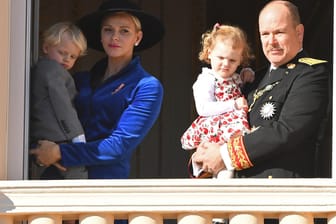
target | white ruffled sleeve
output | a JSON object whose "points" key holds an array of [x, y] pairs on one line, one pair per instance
{"points": [[205, 101]]}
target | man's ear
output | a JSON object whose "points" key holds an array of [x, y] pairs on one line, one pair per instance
{"points": [[300, 31]]}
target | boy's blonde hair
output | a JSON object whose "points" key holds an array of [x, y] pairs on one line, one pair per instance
{"points": [[226, 32], [53, 35]]}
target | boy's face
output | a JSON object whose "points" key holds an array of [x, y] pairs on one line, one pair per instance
{"points": [[65, 53]]}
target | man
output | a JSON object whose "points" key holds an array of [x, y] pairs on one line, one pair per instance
{"points": [[286, 106]]}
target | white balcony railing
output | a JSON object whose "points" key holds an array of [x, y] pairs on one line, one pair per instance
{"points": [[151, 201]]}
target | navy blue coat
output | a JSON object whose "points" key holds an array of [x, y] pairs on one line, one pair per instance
{"points": [[287, 116]]}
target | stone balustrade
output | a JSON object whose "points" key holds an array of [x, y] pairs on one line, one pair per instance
{"points": [[156, 201]]}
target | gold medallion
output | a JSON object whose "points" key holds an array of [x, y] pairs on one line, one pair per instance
{"points": [[291, 65]]}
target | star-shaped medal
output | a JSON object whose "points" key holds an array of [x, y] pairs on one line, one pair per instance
{"points": [[267, 110]]}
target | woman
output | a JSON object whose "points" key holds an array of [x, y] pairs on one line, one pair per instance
{"points": [[118, 101]]}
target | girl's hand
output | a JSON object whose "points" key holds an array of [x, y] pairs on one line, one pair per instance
{"points": [[241, 103], [247, 75]]}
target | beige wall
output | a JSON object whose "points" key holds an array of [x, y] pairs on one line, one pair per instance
{"points": [[4, 75]]}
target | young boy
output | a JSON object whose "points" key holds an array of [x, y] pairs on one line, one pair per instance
{"points": [[52, 114]]}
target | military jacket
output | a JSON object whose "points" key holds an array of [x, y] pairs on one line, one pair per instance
{"points": [[286, 108]]}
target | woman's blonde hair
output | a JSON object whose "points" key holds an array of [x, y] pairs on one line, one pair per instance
{"points": [[225, 32], [53, 35], [135, 19]]}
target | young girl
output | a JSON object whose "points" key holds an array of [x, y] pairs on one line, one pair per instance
{"points": [[219, 102]]}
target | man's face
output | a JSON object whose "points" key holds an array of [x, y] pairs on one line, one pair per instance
{"points": [[281, 39]]}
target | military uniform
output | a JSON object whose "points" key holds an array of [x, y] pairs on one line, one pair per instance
{"points": [[286, 106]]}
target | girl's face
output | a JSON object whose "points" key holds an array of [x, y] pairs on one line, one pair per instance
{"points": [[119, 36], [224, 59], [66, 52]]}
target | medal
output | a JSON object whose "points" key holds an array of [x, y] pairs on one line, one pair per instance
{"points": [[259, 93], [291, 66], [268, 110]]}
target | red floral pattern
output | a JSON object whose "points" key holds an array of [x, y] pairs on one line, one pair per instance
{"points": [[218, 128]]}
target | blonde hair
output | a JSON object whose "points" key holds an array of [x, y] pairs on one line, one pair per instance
{"points": [[135, 19], [226, 32], [53, 35]]}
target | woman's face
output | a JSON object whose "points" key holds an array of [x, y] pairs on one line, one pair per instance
{"points": [[119, 36]]}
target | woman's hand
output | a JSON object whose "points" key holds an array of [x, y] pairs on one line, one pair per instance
{"points": [[47, 153]]}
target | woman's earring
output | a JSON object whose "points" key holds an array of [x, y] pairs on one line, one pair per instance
{"points": [[136, 44]]}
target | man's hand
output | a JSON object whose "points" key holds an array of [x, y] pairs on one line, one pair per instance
{"points": [[208, 156]]}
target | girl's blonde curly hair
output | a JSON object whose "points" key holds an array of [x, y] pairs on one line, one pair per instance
{"points": [[225, 32]]}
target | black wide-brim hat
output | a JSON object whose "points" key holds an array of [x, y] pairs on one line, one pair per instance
{"points": [[151, 26]]}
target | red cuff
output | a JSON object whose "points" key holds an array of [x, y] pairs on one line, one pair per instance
{"points": [[238, 153]]}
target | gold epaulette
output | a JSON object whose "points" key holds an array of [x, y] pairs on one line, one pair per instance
{"points": [[311, 61]]}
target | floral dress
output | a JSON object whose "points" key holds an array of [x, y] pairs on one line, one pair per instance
{"points": [[218, 128]]}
